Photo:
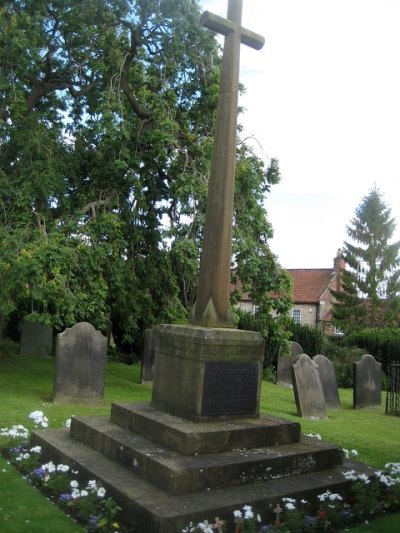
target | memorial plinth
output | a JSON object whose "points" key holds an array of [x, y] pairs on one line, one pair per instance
{"points": [[203, 373]]}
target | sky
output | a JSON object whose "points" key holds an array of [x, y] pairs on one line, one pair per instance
{"points": [[322, 97]]}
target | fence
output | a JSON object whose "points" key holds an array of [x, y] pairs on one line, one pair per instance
{"points": [[393, 392]]}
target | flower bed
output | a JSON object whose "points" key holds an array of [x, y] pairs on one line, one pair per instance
{"points": [[90, 506]]}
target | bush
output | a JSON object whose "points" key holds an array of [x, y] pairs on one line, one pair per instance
{"points": [[8, 348], [311, 339], [382, 343]]}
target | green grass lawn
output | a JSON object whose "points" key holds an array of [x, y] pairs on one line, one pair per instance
{"points": [[26, 385]]}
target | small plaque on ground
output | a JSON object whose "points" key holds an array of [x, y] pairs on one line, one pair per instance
{"points": [[230, 389]]}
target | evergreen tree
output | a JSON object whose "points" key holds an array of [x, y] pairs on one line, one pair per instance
{"points": [[370, 282]]}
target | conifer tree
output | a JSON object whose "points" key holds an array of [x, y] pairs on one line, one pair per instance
{"points": [[370, 282]]}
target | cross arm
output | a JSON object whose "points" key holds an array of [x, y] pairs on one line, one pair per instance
{"points": [[225, 26]]}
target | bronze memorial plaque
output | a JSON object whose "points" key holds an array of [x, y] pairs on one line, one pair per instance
{"points": [[230, 389]]}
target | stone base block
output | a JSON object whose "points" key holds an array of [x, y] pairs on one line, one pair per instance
{"points": [[207, 373]]}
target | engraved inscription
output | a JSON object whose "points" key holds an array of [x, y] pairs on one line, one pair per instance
{"points": [[230, 389]]}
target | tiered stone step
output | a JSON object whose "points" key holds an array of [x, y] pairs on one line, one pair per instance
{"points": [[180, 474], [161, 490]]}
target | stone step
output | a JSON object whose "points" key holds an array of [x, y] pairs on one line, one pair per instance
{"points": [[179, 474], [189, 438], [149, 508]]}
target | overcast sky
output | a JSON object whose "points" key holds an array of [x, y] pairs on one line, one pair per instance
{"points": [[323, 97]]}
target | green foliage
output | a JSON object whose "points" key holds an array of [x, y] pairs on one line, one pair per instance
{"points": [[371, 281], [343, 357], [311, 339], [107, 114], [383, 344], [274, 337]]}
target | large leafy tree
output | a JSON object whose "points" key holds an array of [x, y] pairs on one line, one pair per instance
{"points": [[371, 280], [107, 111]]}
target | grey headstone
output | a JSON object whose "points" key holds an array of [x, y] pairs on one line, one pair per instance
{"points": [[328, 381], [307, 388], [367, 385], [283, 375], [36, 339], [148, 357], [81, 353]]}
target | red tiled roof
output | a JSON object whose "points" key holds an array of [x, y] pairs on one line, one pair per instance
{"points": [[309, 283]]}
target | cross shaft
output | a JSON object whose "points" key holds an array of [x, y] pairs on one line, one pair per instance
{"points": [[212, 303]]}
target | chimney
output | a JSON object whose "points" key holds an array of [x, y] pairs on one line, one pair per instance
{"points": [[339, 265]]}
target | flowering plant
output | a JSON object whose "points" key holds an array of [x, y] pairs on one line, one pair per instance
{"points": [[89, 504]]}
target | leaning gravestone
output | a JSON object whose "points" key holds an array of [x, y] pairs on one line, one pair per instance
{"points": [[283, 375], [367, 386], [328, 381], [36, 339], [81, 353], [148, 357], [307, 388]]}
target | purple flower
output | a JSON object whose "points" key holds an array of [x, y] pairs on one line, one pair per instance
{"points": [[93, 520], [65, 497], [39, 472]]}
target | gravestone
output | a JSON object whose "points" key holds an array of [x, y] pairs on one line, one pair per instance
{"points": [[328, 381], [81, 354], [36, 339], [148, 357], [283, 372], [367, 385], [307, 388]]}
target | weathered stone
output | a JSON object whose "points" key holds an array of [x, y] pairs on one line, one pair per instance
{"points": [[36, 339], [328, 381], [212, 300], [367, 384], [81, 353], [187, 438], [283, 372], [307, 388], [148, 357], [207, 372], [124, 464]]}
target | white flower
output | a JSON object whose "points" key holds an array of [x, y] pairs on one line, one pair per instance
{"points": [[50, 467], [345, 453], [92, 484], [36, 449], [67, 423], [101, 492], [354, 452], [74, 484], [364, 478], [62, 468], [39, 418], [335, 497], [289, 506], [290, 500], [75, 493], [248, 512], [350, 475], [316, 436], [84, 493], [189, 529], [237, 514], [324, 496], [15, 432]]}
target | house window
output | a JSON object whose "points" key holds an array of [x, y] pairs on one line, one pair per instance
{"points": [[256, 309], [296, 315]]}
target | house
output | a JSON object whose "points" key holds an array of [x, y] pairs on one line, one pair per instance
{"points": [[312, 298]]}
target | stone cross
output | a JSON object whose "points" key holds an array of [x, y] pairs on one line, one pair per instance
{"points": [[212, 303], [278, 510]]}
